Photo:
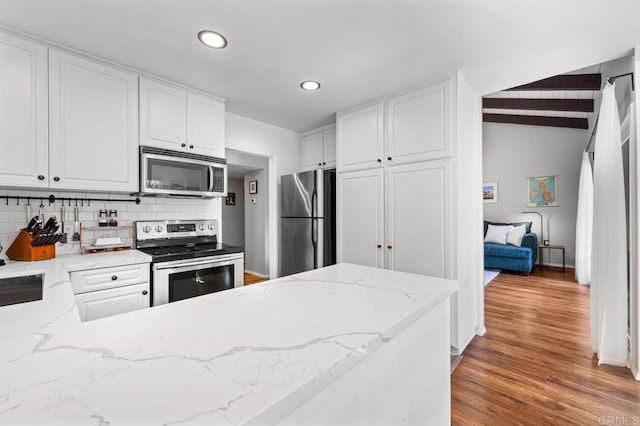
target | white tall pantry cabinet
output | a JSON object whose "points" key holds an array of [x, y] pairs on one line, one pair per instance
{"points": [[398, 191]]}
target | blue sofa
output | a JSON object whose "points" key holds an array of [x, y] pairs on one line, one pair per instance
{"points": [[509, 257]]}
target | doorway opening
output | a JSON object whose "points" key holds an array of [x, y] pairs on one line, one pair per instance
{"points": [[245, 211]]}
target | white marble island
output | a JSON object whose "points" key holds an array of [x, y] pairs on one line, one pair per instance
{"points": [[343, 344]]}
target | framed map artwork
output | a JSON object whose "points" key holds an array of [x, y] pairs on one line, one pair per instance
{"points": [[542, 191]]}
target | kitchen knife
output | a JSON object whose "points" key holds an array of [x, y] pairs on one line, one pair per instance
{"points": [[50, 224], [36, 229], [31, 224]]}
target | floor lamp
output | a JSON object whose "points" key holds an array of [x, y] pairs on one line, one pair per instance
{"points": [[541, 230]]}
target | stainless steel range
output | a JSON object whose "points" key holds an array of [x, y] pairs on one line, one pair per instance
{"points": [[187, 259]]}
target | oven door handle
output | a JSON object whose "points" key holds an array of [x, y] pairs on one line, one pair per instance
{"points": [[221, 261]]}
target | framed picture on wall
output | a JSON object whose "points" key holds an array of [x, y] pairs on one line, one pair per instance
{"points": [[253, 187], [230, 199], [490, 192], [542, 191]]}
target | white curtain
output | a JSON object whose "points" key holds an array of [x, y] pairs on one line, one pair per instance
{"points": [[584, 222], [609, 256]]}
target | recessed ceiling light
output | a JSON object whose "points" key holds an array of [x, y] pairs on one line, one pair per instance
{"points": [[310, 85], [212, 39]]}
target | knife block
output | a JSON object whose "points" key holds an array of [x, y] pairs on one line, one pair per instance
{"points": [[21, 249]]}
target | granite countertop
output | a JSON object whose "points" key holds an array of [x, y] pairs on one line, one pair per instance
{"points": [[247, 355]]}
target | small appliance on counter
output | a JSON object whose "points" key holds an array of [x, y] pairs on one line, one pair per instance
{"points": [[1, 260], [36, 241]]}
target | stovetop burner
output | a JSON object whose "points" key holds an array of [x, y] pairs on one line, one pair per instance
{"points": [[178, 240]]}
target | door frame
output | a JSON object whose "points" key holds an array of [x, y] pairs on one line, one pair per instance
{"points": [[271, 242]]}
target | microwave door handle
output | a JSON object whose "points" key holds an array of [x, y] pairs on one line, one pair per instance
{"points": [[210, 179]]}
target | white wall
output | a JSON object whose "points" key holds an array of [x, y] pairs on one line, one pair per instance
{"points": [[233, 215], [469, 317], [511, 153], [281, 147], [256, 224]]}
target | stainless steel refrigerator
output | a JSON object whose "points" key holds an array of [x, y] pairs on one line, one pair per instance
{"points": [[307, 221]]}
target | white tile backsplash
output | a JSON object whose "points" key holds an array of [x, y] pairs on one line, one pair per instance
{"points": [[13, 217]]}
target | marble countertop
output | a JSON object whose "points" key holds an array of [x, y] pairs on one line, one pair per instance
{"points": [[25, 325], [249, 355]]}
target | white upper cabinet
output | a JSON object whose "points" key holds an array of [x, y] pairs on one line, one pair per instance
{"points": [[418, 125], [173, 118], [405, 129], [329, 147], [23, 113], [360, 138], [93, 140], [206, 121], [318, 148], [163, 115], [312, 151]]}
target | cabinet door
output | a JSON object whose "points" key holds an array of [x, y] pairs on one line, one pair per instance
{"points": [[329, 148], [205, 130], [360, 139], [163, 115], [114, 301], [93, 125], [23, 113], [311, 150], [360, 217], [417, 218], [418, 125]]}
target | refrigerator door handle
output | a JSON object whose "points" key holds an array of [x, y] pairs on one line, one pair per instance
{"points": [[314, 229]]}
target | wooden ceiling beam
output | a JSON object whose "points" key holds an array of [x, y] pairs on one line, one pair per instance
{"points": [[579, 105], [537, 120], [565, 82]]}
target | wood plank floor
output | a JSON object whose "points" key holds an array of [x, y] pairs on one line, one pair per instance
{"points": [[252, 279], [534, 366]]}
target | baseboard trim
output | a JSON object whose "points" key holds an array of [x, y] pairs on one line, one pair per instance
{"points": [[481, 331], [636, 373]]}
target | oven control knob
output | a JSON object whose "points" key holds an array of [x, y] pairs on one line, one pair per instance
{"points": [[146, 229], [202, 227], [210, 226], [159, 228]]}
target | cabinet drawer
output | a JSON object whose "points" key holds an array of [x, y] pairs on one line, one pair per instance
{"points": [[114, 301], [103, 278]]}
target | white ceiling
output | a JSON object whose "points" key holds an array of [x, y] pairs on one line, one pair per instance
{"points": [[357, 49]]}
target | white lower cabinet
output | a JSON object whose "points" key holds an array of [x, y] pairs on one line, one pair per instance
{"points": [[114, 301], [103, 292], [396, 218]]}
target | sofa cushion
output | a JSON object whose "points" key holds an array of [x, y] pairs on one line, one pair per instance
{"points": [[497, 234], [526, 224], [514, 237], [493, 249]]}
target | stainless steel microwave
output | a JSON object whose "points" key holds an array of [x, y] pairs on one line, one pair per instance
{"points": [[166, 173]]}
